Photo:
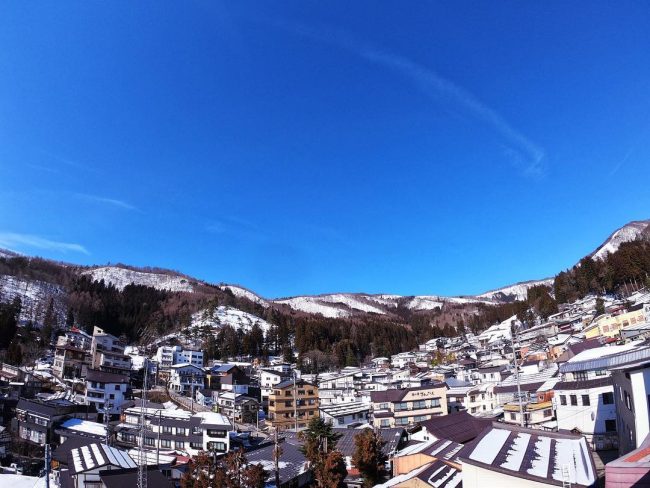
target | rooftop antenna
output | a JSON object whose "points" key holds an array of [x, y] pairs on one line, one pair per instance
{"points": [[142, 457]]}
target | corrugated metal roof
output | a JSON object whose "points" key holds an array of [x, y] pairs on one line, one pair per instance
{"points": [[630, 357]]}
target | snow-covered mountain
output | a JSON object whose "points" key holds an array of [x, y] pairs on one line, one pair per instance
{"points": [[120, 277], [216, 318], [518, 291], [627, 233], [241, 292]]}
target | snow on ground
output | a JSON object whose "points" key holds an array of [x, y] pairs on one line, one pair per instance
{"points": [[217, 317], [314, 305], [424, 303], [121, 277], [626, 233], [518, 290], [20, 481], [238, 291], [35, 298]]}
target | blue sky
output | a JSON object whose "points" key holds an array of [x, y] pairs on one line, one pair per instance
{"points": [[309, 147]]}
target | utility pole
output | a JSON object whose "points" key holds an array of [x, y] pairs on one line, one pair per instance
{"points": [[158, 444], [276, 459], [295, 402], [47, 466], [107, 408], [513, 330], [142, 457]]}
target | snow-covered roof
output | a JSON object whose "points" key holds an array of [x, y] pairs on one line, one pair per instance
{"points": [[85, 427], [534, 454]]}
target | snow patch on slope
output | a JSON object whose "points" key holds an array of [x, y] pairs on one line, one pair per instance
{"points": [[217, 317], [314, 305], [627, 233], [518, 291], [240, 292], [121, 277], [35, 298]]}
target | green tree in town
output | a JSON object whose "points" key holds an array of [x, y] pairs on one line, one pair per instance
{"points": [[369, 457]]}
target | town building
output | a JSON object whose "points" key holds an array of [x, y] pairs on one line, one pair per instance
{"points": [[107, 353], [292, 404], [35, 419], [237, 406], [346, 414], [177, 430], [512, 456], [584, 399], [404, 407], [106, 392], [186, 378]]}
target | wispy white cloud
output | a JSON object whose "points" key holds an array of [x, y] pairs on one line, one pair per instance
{"points": [[15, 241], [235, 226], [524, 154], [108, 201]]}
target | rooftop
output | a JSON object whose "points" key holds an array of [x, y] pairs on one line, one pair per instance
{"points": [[532, 454]]}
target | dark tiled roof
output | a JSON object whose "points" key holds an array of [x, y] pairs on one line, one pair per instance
{"points": [[439, 474], [293, 462], [45, 409], [397, 395], [120, 478], [392, 437], [459, 427], [104, 377], [299, 384], [524, 387], [579, 385]]}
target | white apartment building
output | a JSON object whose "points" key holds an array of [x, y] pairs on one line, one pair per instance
{"points": [[168, 356], [186, 378], [475, 399], [105, 391], [269, 378], [176, 430], [584, 399]]}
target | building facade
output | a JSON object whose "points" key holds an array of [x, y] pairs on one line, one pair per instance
{"points": [[292, 404]]}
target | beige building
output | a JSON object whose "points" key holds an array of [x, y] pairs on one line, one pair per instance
{"points": [[293, 404], [408, 406]]}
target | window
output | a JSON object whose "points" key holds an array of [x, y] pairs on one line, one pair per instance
{"points": [[165, 443], [117, 387], [580, 375], [167, 429], [548, 412], [196, 445], [341, 420], [216, 433], [148, 441], [402, 421], [513, 416], [562, 399], [385, 423], [217, 446], [111, 396], [401, 406], [181, 431], [608, 398], [574, 400], [383, 406], [179, 445], [435, 402], [585, 400], [419, 404], [610, 425], [288, 403]]}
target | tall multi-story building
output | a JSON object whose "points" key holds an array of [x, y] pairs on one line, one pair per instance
{"points": [[186, 378], [293, 403], [403, 407], [70, 361], [107, 353], [584, 398], [168, 356], [176, 429], [106, 391], [269, 378]]}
